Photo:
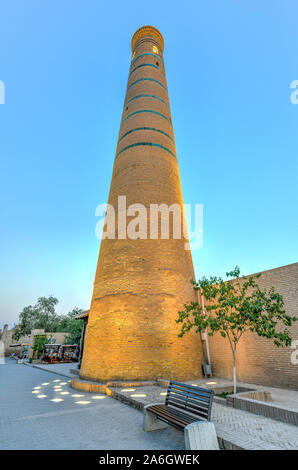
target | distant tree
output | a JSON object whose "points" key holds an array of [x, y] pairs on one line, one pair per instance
{"points": [[27, 319], [48, 318], [234, 307], [74, 327], [43, 315]]}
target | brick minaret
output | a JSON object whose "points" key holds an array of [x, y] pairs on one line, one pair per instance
{"points": [[141, 284]]}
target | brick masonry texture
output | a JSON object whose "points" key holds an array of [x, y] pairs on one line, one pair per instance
{"points": [[258, 359], [141, 284]]}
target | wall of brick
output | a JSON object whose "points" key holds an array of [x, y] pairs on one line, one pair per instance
{"points": [[258, 359], [141, 284]]}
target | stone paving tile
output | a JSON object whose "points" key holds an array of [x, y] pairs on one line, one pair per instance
{"points": [[60, 369], [64, 426], [280, 396], [28, 422], [288, 398], [246, 430], [262, 431]]}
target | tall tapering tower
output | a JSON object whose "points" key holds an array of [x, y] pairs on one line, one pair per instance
{"points": [[141, 283]]}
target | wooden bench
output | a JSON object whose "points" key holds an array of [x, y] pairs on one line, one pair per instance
{"points": [[186, 407]]}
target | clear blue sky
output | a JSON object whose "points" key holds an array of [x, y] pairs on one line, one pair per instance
{"points": [[65, 66]]}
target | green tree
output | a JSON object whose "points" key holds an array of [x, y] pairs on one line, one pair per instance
{"points": [[41, 315], [74, 327], [235, 306], [38, 346]]}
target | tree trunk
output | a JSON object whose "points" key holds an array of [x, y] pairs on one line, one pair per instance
{"points": [[234, 372]]}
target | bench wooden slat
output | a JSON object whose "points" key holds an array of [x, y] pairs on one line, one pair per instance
{"points": [[190, 398], [193, 392], [184, 404], [205, 396], [199, 413], [172, 418], [190, 389], [178, 413], [173, 411], [167, 416]]}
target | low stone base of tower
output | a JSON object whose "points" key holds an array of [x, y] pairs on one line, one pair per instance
{"points": [[134, 336], [93, 386], [88, 386]]}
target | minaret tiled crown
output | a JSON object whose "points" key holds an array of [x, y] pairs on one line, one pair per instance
{"points": [[147, 31]]}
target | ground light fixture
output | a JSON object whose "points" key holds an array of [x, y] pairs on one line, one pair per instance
{"points": [[59, 389]]}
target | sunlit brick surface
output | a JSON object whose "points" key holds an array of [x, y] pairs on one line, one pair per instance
{"points": [[141, 284]]}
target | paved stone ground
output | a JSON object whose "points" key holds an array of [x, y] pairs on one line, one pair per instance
{"points": [[61, 369], [280, 396], [29, 422], [241, 429]]}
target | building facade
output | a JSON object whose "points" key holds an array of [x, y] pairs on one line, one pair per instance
{"points": [[12, 346], [140, 284]]}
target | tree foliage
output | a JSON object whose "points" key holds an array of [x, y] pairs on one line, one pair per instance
{"points": [[73, 327], [39, 344], [235, 306], [43, 315]]}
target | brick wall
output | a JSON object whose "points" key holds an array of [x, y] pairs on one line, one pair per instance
{"points": [[141, 284], [258, 359]]}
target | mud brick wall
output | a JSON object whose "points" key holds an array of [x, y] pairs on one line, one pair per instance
{"points": [[258, 359]]}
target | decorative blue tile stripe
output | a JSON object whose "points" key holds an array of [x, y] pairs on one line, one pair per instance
{"points": [[147, 111], [145, 143], [150, 79], [145, 53], [146, 96], [145, 129], [143, 65]]}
